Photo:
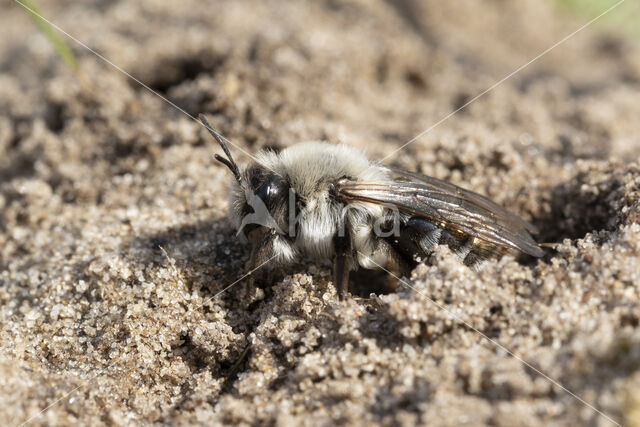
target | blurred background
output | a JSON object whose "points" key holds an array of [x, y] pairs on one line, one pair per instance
{"points": [[276, 72]]}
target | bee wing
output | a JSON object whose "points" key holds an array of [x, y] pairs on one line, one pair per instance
{"points": [[448, 205]]}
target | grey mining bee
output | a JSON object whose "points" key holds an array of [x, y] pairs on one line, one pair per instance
{"points": [[329, 201]]}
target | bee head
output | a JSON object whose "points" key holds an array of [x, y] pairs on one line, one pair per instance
{"points": [[266, 201], [261, 198]]}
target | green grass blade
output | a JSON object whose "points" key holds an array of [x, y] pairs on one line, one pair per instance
{"points": [[52, 35]]}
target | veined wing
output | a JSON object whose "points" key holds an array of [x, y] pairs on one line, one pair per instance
{"points": [[448, 206]]}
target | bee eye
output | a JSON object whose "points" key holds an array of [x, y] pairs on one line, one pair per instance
{"points": [[272, 190]]}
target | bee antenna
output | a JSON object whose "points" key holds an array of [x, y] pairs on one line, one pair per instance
{"points": [[228, 162]]}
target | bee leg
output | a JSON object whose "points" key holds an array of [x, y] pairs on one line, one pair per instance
{"points": [[341, 264], [261, 251], [250, 266]]}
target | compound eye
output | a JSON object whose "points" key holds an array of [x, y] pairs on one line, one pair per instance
{"points": [[272, 191]]}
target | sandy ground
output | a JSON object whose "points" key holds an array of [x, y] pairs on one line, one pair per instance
{"points": [[114, 240]]}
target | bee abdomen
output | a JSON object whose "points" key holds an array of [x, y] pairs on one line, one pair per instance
{"points": [[457, 242], [419, 237], [428, 234], [482, 251], [472, 251]]}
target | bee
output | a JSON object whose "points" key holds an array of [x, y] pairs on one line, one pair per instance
{"points": [[326, 201]]}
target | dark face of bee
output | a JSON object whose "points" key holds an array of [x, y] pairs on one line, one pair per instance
{"points": [[267, 203]]}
